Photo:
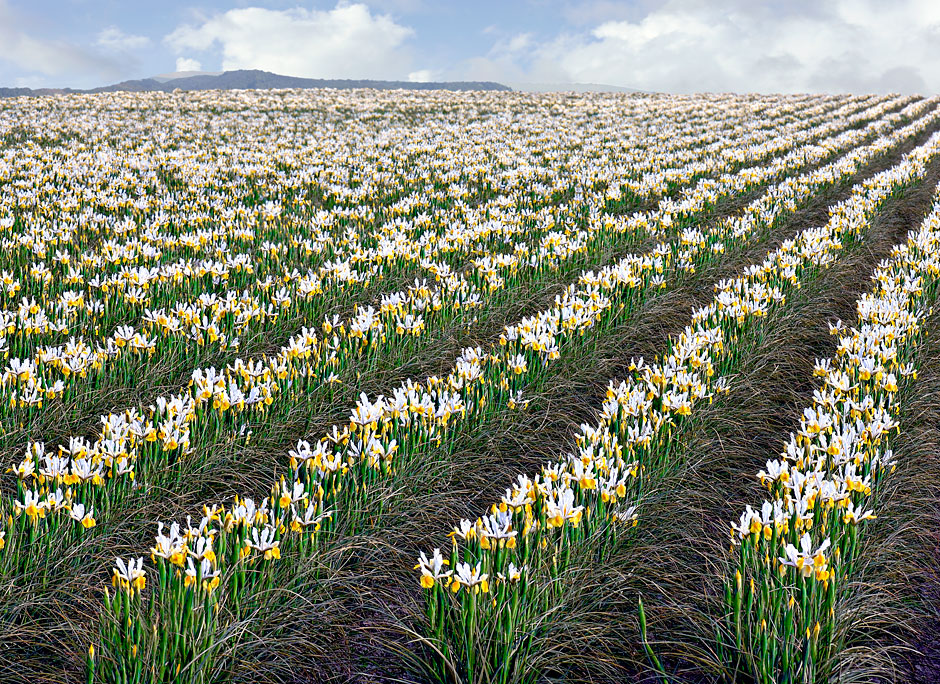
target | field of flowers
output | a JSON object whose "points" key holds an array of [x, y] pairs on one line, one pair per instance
{"points": [[305, 386]]}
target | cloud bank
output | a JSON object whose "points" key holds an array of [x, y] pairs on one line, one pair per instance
{"points": [[348, 41], [741, 45]]}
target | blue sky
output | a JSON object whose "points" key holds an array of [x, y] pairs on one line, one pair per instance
{"points": [[663, 45]]}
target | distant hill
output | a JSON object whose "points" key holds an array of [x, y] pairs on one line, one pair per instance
{"points": [[245, 79], [17, 92]]}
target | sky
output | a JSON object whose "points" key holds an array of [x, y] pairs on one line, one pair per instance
{"points": [[681, 46]]}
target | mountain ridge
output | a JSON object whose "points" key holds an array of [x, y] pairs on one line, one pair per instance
{"points": [[247, 79]]}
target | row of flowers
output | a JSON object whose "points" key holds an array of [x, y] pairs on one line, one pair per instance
{"points": [[795, 556]]}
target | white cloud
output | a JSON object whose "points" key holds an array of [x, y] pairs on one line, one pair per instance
{"points": [[188, 64], [741, 45], [345, 42], [113, 38]]}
